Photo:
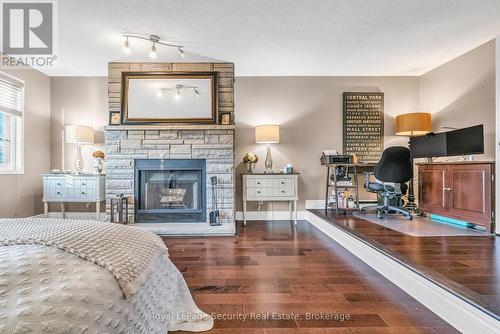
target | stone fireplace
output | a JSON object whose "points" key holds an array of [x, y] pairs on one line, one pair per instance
{"points": [[170, 190], [165, 170]]}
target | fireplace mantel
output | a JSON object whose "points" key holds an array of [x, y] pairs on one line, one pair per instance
{"points": [[170, 127]]}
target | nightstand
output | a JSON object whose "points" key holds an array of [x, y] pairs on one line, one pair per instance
{"points": [[261, 187], [81, 188]]}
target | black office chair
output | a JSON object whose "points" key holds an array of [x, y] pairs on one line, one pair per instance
{"points": [[395, 168]]}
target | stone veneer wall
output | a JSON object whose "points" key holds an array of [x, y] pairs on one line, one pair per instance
{"points": [[215, 143], [124, 144]]}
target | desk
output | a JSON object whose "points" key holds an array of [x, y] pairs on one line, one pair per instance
{"points": [[354, 169], [270, 188]]}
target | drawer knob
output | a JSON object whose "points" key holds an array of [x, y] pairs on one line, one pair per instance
{"points": [[258, 191], [282, 182], [83, 193], [282, 191], [59, 183], [83, 184], [59, 193], [258, 183]]}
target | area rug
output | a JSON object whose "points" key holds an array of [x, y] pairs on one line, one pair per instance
{"points": [[420, 227]]}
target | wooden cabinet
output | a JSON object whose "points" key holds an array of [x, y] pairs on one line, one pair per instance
{"points": [[459, 190]]}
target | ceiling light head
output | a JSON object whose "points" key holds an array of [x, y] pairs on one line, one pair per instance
{"points": [[152, 53], [126, 46], [181, 52]]}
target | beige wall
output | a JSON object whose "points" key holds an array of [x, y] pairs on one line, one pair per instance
{"points": [[21, 195], [309, 112], [84, 101], [461, 93]]}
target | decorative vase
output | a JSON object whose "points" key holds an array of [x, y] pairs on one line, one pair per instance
{"points": [[249, 168], [98, 166]]}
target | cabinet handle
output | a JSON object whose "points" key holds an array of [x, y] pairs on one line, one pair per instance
{"points": [[58, 183], [83, 193], [59, 193], [83, 184], [446, 189]]}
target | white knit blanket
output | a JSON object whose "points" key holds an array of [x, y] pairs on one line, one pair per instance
{"points": [[127, 252]]}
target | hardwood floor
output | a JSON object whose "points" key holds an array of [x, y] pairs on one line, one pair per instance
{"points": [[301, 275], [466, 266]]}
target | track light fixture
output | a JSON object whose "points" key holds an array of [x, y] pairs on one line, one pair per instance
{"points": [[155, 40], [126, 46], [178, 90]]}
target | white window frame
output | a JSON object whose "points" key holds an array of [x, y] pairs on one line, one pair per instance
{"points": [[16, 165]]}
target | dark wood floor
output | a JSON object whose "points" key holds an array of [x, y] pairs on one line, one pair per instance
{"points": [[276, 267], [467, 266]]}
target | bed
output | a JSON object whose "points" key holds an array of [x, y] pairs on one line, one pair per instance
{"points": [[69, 276]]}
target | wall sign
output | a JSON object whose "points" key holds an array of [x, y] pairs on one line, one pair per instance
{"points": [[364, 125]]}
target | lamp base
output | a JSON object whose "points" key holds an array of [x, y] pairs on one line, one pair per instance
{"points": [[269, 161]]}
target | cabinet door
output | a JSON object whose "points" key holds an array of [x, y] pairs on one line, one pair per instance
{"points": [[471, 191], [432, 182]]}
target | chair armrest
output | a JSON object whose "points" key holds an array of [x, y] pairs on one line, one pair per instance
{"points": [[367, 178]]}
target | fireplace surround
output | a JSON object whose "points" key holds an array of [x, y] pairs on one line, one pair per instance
{"points": [[170, 190]]}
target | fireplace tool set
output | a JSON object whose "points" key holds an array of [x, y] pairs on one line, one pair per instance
{"points": [[214, 214]]}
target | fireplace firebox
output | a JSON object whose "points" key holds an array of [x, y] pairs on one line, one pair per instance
{"points": [[170, 190]]}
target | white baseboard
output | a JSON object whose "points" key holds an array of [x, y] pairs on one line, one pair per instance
{"points": [[454, 310], [270, 215], [315, 204]]}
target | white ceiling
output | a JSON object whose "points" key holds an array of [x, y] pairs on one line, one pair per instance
{"points": [[278, 37]]}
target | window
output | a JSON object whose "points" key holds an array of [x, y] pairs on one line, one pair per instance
{"points": [[11, 124]]}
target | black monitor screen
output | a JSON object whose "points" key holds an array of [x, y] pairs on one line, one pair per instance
{"points": [[457, 142], [465, 141], [430, 145]]}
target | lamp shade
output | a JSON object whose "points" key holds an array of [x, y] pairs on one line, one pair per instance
{"points": [[79, 134], [413, 124], [267, 134]]}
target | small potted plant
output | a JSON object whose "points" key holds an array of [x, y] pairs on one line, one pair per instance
{"points": [[249, 159], [98, 164]]}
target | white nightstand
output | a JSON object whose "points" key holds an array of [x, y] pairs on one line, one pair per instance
{"points": [[62, 188], [270, 188]]}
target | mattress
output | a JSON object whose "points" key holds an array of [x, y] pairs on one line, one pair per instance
{"points": [[46, 290]]}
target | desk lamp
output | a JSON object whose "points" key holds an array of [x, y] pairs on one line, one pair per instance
{"points": [[413, 125]]}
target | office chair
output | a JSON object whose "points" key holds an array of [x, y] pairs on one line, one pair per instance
{"points": [[395, 168]]}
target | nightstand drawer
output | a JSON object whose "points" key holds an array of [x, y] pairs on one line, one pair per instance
{"points": [[259, 192], [258, 182], [283, 192]]}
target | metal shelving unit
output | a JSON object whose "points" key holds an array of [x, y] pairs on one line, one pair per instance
{"points": [[353, 169]]}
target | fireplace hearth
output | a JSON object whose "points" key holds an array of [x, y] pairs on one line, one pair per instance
{"points": [[170, 190]]}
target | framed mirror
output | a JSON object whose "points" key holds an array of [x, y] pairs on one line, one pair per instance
{"points": [[169, 98]]}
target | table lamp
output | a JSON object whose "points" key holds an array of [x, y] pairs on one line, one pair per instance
{"points": [[267, 134], [79, 135], [413, 125]]}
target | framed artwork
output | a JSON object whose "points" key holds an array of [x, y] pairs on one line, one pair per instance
{"points": [[115, 118], [364, 125], [153, 97], [225, 119]]}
